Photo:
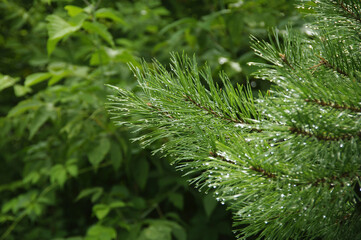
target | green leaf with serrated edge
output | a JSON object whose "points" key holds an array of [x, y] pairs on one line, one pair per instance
{"points": [[6, 218], [41, 116], [99, 232], [71, 167], [96, 156], [117, 204], [156, 232], [32, 177], [7, 81], [100, 29], [58, 174], [101, 210], [36, 78], [99, 57], [56, 78], [110, 14], [24, 106], [73, 10], [20, 90], [72, 170], [58, 28], [96, 191]]}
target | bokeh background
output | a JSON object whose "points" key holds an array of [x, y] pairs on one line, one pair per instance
{"points": [[66, 172]]}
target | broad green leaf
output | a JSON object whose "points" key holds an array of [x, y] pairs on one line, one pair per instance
{"points": [[20, 90], [123, 55], [99, 57], [9, 205], [117, 204], [58, 28], [95, 192], [32, 177], [56, 78], [36, 78], [59, 70], [156, 232], [58, 174], [41, 116], [98, 153], [101, 210], [34, 209], [100, 29], [98, 232], [71, 167], [19, 202], [6, 218], [110, 14], [72, 170], [7, 81], [73, 10], [24, 106]]}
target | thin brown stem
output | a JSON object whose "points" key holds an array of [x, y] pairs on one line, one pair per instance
{"points": [[211, 111], [302, 132], [346, 9], [159, 110], [329, 65], [254, 168], [334, 105], [285, 60]]}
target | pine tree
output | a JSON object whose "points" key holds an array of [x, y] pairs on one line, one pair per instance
{"points": [[287, 162]]}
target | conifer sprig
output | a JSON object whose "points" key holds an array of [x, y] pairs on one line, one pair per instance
{"points": [[287, 163]]}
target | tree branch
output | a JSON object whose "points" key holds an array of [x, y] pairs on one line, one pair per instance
{"points": [[334, 105], [346, 9], [211, 111], [324, 137]]}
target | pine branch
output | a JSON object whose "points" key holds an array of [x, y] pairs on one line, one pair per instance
{"points": [[211, 111], [325, 137], [287, 163], [345, 8], [327, 64], [334, 105]]}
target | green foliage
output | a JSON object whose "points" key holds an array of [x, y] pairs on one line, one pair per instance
{"points": [[287, 163], [66, 172]]}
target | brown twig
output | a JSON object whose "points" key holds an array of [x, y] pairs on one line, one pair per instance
{"points": [[323, 137], [349, 11], [160, 110], [285, 60], [211, 111], [257, 169], [334, 105], [264, 172]]}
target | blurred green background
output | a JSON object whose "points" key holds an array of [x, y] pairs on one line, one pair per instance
{"points": [[66, 172]]}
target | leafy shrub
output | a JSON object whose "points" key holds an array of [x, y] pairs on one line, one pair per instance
{"points": [[66, 171]]}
